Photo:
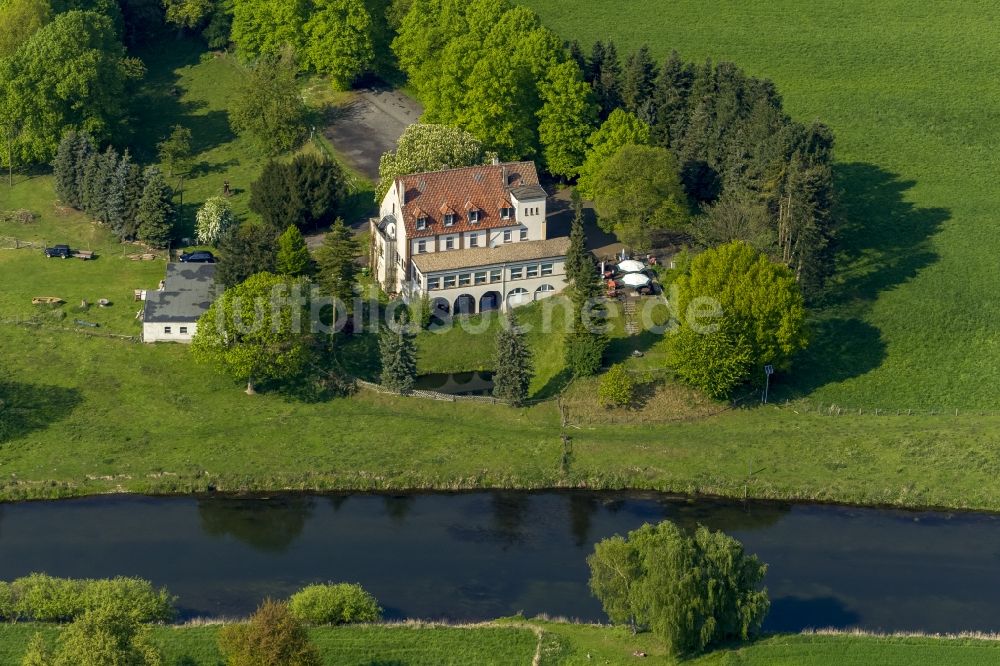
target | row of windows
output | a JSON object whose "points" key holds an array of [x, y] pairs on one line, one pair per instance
{"points": [[183, 330], [488, 277], [530, 271], [474, 216], [449, 242]]}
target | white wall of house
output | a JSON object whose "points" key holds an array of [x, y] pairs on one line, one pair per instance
{"points": [[535, 287], [530, 213], [172, 332]]}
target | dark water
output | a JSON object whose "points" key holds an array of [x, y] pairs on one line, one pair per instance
{"points": [[483, 555], [459, 383]]}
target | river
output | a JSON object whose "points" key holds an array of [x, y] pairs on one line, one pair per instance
{"points": [[468, 556]]}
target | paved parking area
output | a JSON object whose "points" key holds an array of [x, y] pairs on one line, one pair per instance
{"points": [[370, 125]]}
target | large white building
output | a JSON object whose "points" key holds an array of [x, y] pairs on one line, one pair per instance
{"points": [[471, 239]]}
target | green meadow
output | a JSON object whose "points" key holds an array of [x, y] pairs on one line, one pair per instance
{"points": [[909, 88]]}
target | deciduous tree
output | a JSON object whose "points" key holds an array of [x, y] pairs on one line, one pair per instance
{"points": [[755, 317], [566, 120], [19, 20], [272, 637], [175, 151], [268, 27], [339, 41], [268, 109], [637, 192], [692, 591], [105, 636], [213, 219], [620, 129], [256, 331], [428, 147]]}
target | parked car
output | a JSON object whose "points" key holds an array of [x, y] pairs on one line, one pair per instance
{"points": [[200, 257], [61, 251]]}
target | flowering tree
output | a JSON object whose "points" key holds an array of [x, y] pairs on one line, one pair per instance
{"points": [[212, 220], [426, 147]]}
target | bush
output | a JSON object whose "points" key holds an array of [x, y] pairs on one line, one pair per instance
{"points": [[272, 637], [617, 388], [341, 603], [102, 637], [45, 598]]}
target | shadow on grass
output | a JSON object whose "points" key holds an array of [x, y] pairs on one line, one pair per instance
{"points": [[884, 239], [841, 348], [25, 408], [554, 386]]}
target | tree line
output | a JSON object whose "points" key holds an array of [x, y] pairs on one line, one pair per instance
{"points": [[134, 203]]}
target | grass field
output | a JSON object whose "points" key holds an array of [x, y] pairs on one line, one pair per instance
{"points": [[514, 643], [909, 89]]}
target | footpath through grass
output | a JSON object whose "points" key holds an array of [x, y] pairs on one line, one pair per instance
{"points": [[515, 642], [909, 88]]}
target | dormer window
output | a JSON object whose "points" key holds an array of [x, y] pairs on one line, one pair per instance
{"points": [[449, 219], [473, 216], [422, 222], [506, 213]]}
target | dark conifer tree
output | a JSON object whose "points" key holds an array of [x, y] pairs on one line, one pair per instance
{"points": [[246, 249], [64, 170], [670, 101], [399, 356], [155, 213], [639, 83], [585, 342], [608, 84], [512, 363]]}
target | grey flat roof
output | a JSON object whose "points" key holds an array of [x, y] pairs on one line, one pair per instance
{"points": [[506, 253], [189, 290], [525, 192]]}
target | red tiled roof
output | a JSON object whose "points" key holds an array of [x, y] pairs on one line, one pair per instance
{"points": [[484, 187]]}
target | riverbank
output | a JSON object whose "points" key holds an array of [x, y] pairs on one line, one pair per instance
{"points": [[545, 643], [87, 415]]}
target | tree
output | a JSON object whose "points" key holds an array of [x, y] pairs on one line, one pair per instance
{"points": [[123, 196], [246, 249], [759, 318], [75, 149], [691, 591], [567, 118], [336, 262], [606, 77], [254, 331], [175, 151], [639, 83], [71, 73], [737, 215], [212, 220], [19, 20], [617, 388], [187, 13], [99, 637], [427, 147], [399, 356], [670, 100], [503, 98], [268, 27], [512, 363], [155, 214], [619, 130], [268, 109], [97, 183], [638, 191], [305, 192], [585, 341], [339, 41], [272, 637], [293, 256]]}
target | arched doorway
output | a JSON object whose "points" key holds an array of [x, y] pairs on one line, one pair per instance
{"points": [[489, 301], [518, 296], [465, 305], [544, 291], [440, 311]]}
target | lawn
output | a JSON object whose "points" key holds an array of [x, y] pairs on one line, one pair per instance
{"points": [[909, 90], [515, 641]]}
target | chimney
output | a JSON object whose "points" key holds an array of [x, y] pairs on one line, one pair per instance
{"points": [[504, 173], [496, 160], [401, 191]]}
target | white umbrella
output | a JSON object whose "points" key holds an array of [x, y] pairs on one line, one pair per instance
{"points": [[630, 266], [636, 279]]}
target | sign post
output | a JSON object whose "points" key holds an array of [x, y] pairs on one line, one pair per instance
{"points": [[768, 371]]}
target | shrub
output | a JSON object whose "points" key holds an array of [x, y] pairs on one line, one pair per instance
{"points": [[105, 636], [617, 388], [272, 637], [45, 598], [341, 603]]}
